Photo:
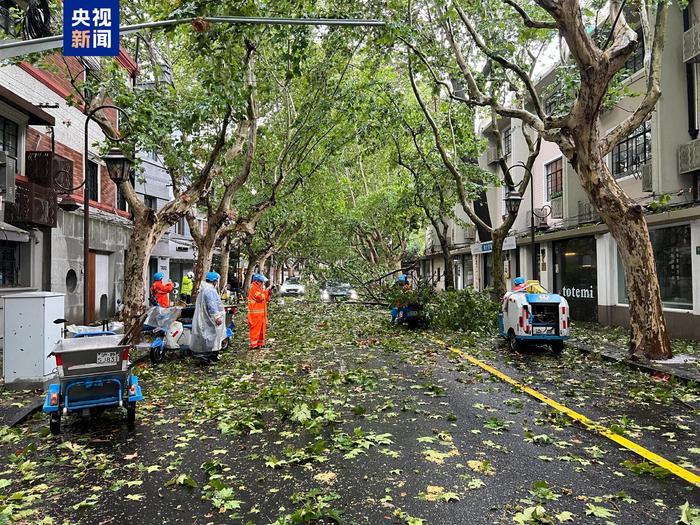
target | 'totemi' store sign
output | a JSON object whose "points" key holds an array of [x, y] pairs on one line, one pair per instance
{"points": [[578, 293]]}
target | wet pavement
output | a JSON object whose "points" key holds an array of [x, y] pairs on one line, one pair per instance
{"points": [[347, 418]]}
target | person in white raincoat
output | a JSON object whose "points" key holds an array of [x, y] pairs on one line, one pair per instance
{"points": [[208, 326]]}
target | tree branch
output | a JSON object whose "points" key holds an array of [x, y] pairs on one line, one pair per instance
{"points": [[653, 93], [505, 63], [529, 22]]}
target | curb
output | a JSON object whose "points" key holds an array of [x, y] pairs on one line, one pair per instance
{"points": [[618, 356]]}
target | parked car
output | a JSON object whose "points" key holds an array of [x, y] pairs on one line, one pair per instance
{"points": [[332, 291], [292, 287]]}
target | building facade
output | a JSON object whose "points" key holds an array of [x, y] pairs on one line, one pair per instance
{"points": [[657, 165], [41, 228]]}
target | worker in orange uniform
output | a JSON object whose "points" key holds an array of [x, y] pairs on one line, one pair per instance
{"points": [[258, 298], [161, 291]]}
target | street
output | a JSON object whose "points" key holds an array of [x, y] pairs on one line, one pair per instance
{"points": [[344, 417]]}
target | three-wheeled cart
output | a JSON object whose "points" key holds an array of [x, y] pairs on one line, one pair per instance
{"points": [[94, 373], [532, 315]]}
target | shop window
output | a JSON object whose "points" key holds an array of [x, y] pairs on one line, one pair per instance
{"points": [[9, 140], [93, 184], [507, 142], [488, 274], [673, 267], [468, 272], [576, 277], [554, 172], [632, 153], [10, 256]]}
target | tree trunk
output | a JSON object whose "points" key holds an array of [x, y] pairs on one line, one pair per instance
{"points": [[250, 269], [138, 254], [205, 254], [225, 261], [449, 269], [624, 217], [497, 260]]}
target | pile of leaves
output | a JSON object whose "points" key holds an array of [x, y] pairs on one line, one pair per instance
{"points": [[463, 310]]}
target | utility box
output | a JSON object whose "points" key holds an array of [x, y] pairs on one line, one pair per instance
{"points": [[30, 336]]}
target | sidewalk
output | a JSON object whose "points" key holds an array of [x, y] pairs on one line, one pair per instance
{"points": [[610, 343]]}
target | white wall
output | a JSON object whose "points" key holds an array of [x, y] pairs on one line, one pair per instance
{"points": [[70, 122]]}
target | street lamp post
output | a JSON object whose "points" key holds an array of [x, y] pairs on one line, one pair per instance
{"points": [[513, 200], [118, 168]]}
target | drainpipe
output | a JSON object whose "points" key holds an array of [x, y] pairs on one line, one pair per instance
{"points": [[690, 81]]}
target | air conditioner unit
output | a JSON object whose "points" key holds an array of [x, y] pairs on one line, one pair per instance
{"points": [[646, 178], [689, 157], [7, 178], [491, 155], [469, 235], [691, 44]]}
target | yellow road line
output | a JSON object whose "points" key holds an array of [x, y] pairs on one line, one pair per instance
{"points": [[588, 423]]}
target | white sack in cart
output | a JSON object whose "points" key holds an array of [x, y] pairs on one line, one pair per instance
{"points": [[162, 317], [113, 326]]}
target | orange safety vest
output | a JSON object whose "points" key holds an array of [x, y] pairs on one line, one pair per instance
{"points": [[160, 291], [257, 314]]}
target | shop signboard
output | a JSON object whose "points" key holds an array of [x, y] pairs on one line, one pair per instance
{"points": [[509, 243]]}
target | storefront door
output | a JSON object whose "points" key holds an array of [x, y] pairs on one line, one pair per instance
{"points": [[575, 276]]}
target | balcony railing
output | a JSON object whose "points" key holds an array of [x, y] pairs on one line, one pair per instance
{"points": [[557, 205], [49, 170], [587, 213], [34, 205]]}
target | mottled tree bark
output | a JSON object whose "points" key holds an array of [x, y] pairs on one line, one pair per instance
{"points": [[627, 225], [225, 261]]}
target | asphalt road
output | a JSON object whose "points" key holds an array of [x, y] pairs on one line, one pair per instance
{"points": [[346, 417]]}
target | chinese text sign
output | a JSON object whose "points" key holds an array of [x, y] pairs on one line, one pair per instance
{"points": [[91, 27]]}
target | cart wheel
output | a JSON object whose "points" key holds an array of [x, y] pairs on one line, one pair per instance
{"points": [[55, 423], [225, 343], [157, 354], [131, 413], [557, 347], [513, 344]]}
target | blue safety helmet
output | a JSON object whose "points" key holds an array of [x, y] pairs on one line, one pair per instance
{"points": [[258, 277], [403, 279], [518, 281], [212, 277], [158, 276]]}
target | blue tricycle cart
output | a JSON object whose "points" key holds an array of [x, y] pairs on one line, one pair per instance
{"points": [[94, 373]]}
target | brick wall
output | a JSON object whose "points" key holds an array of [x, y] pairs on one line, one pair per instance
{"points": [[57, 75]]}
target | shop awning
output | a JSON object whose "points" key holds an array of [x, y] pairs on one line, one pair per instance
{"points": [[12, 233], [37, 116]]}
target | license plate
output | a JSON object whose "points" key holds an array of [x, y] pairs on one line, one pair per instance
{"points": [[107, 358], [543, 330]]}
